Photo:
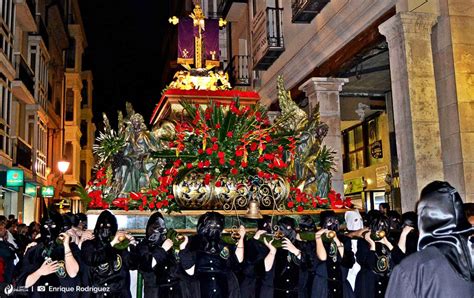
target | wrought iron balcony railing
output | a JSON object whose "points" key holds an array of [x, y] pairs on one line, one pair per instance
{"points": [[24, 73], [23, 154], [267, 36], [238, 70]]}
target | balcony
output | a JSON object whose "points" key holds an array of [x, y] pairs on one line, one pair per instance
{"points": [[231, 9], [23, 154], [304, 11], [24, 83], [238, 70], [25, 14], [267, 37], [43, 32]]}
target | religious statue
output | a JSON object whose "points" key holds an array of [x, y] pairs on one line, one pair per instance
{"points": [[313, 162]]}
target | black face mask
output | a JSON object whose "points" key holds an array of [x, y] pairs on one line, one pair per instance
{"points": [[331, 223], [380, 223], [49, 231], [106, 227], [156, 230], [287, 227], [265, 224], [306, 224], [211, 225]]}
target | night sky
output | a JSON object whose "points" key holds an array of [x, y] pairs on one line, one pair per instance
{"points": [[124, 41]]}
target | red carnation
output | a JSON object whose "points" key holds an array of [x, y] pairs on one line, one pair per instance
{"points": [[218, 126], [239, 152], [222, 161], [253, 146], [189, 165], [261, 159], [291, 204], [200, 164], [234, 171], [213, 139], [220, 154], [232, 162], [209, 151], [215, 147], [229, 134], [268, 156], [218, 183], [299, 209], [244, 164], [207, 163], [200, 151]]}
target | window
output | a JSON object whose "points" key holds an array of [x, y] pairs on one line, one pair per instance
{"points": [[374, 139], [5, 115], [71, 54], [7, 14], [359, 142], [69, 152], [84, 134], [84, 94], [83, 175], [69, 105]]}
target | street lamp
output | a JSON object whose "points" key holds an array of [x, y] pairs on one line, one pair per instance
{"points": [[63, 166]]}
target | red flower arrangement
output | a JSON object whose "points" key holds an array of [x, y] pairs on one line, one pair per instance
{"points": [[218, 139]]}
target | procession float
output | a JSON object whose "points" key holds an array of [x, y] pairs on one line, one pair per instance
{"points": [[210, 147]]}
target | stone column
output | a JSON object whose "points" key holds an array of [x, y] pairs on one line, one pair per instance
{"points": [[325, 91], [453, 53], [414, 102]]}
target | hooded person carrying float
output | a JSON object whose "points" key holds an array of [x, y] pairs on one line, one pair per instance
{"points": [[158, 260], [106, 265], [212, 261], [52, 262]]}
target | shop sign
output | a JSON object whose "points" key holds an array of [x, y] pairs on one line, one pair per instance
{"points": [[47, 191], [30, 189], [376, 150], [259, 36], [353, 185], [14, 178]]}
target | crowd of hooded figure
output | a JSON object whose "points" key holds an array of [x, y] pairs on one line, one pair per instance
{"points": [[423, 254]]}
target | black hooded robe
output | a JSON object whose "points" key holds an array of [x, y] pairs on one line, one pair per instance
{"points": [[420, 267], [331, 275], [443, 267], [284, 278], [45, 286], [166, 278], [370, 281], [108, 267], [214, 269], [253, 268]]}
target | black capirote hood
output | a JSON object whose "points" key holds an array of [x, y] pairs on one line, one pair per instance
{"points": [[442, 223]]}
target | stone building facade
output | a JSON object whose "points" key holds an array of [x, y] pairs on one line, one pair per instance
{"points": [[37, 40], [407, 64]]}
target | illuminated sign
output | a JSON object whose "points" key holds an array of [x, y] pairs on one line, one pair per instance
{"points": [[14, 178], [47, 191], [30, 189]]}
